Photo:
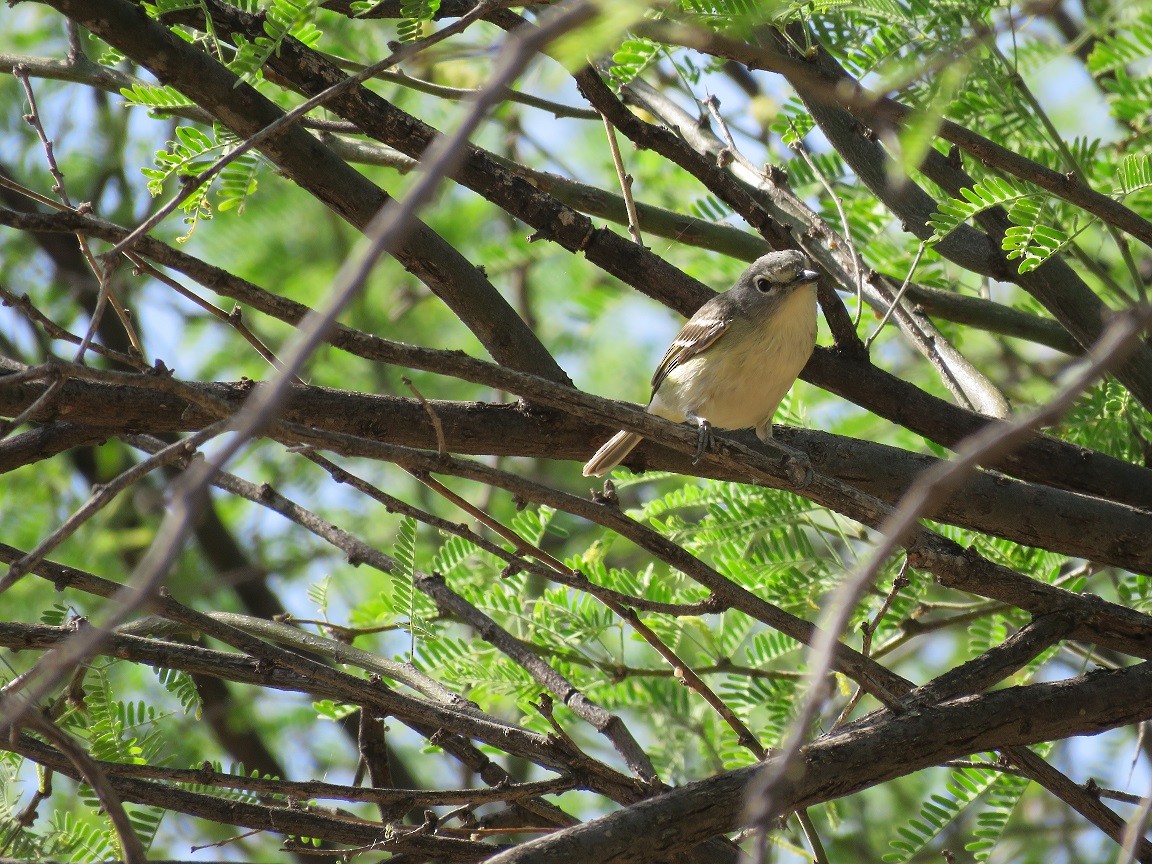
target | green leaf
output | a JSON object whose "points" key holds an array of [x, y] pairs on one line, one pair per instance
{"points": [[631, 58], [989, 193], [414, 14]]}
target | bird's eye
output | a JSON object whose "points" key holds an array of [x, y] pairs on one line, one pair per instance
{"points": [[763, 284]]}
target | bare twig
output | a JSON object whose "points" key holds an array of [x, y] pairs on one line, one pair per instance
{"points": [[104, 495], [857, 263], [1134, 831], [58, 374], [106, 292], [899, 296], [55, 331], [625, 180], [433, 417], [869, 628], [295, 114], [515, 560], [233, 319]]}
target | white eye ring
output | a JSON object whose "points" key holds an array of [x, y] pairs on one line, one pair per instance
{"points": [[763, 284]]}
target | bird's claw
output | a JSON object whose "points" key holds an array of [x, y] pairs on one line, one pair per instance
{"points": [[703, 440]]}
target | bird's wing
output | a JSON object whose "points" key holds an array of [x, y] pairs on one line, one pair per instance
{"points": [[696, 336]]}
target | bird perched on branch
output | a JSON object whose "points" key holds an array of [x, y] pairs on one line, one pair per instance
{"points": [[734, 360]]}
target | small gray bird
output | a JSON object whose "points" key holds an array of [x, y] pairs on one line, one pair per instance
{"points": [[732, 363]]}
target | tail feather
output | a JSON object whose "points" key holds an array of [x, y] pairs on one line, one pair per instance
{"points": [[614, 451]]}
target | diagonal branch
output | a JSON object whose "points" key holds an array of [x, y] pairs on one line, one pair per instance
{"points": [[303, 159], [853, 758]]}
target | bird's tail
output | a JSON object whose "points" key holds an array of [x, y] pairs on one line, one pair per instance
{"points": [[614, 451]]}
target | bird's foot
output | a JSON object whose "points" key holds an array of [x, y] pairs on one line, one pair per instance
{"points": [[703, 439]]}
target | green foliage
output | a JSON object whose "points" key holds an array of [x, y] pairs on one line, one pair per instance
{"points": [[227, 793], [1135, 173], [414, 14], [56, 616], [1135, 590], [1002, 799], [935, 58], [939, 811], [763, 539], [404, 599], [181, 685], [1114, 52], [710, 209], [192, 153], [82, 841], [993, 192], [1108, 419], [120, 731], [165, 7], [318, 595], [282, 18], [1029, 239], [237, 181], [631, 58], [157, 99]]}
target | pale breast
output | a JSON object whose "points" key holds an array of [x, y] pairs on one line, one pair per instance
{"points": [[740, 380]]}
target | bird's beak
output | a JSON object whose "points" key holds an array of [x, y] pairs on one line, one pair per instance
{"points": [[808, 276]]}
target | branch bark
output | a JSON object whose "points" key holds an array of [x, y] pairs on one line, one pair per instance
{"points": [[853, 758], [1109, 532], [306, 161]]}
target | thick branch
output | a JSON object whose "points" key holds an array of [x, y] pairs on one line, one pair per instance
{"points": [[310, 164], [1102, 531], [1044, 460], [855, 758], [287, 820], [1053, 283]]}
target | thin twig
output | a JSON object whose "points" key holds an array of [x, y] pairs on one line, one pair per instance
{"points": [[819, 856], [433, 417], [625, 181], [55, 331], [58, 374], [479, 11], [106, 292], [234, 318], [857, 267], [1134, 831], [869, 630], [687, 676], [899, 296], [515, 560], [459, 94]]}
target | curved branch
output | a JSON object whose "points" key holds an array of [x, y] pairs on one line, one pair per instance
{"points": [[1053, 283], [310, 164], [876, 111]]}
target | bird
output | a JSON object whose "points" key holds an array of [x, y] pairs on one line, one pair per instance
{"points": [[733, 361]]}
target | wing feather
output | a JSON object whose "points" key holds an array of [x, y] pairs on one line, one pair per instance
{"points": [[696, 336]]}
